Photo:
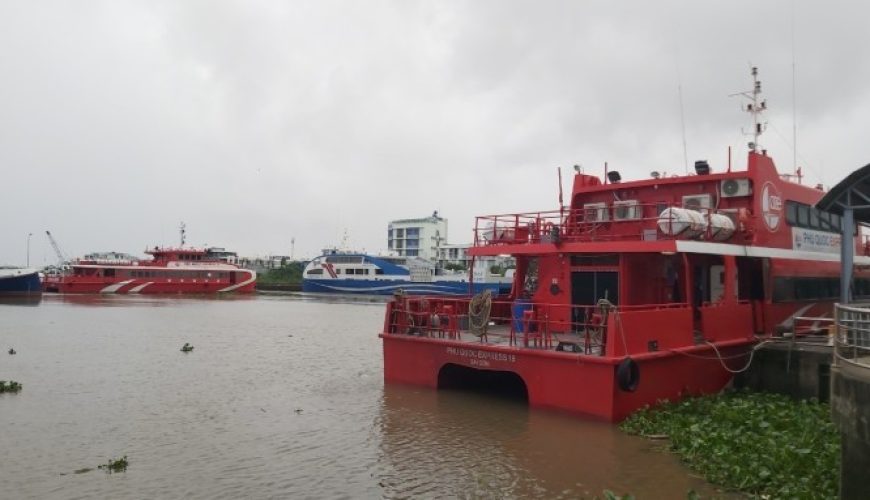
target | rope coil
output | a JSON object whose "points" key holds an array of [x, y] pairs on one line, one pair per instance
{"points": [[479, 308]]}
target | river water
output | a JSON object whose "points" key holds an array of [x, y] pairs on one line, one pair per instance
{"points": [[282, 397]]}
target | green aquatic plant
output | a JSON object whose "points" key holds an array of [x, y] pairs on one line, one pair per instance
{"points": [[759, 443], [12, 386], [117, 465], [609, 495]]}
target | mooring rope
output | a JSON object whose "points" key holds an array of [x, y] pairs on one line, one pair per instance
{"points": [[722, 359], [479, 308]]}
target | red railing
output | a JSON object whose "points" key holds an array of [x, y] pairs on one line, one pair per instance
{"points": [[607, 223], [581, 329]]}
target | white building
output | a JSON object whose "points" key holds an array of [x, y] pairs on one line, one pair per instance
{"points": [[417, 237], [458, 254], [427, 238]]}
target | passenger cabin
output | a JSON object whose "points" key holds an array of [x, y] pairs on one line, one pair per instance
{"points": [[715, 255]]}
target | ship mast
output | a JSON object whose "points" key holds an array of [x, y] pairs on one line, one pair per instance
{"points": [[181, 230], [755, 108]]}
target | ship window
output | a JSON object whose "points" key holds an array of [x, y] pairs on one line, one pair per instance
{"points": [[814, 218], [824, 220], [366, 271], [786, 289], [109, 272], [312, 272], [595, 260], [835, 223], [791, 213], [379, 271], [803, 215]]}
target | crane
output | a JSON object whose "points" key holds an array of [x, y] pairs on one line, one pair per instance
{"points": [[60, 256]]}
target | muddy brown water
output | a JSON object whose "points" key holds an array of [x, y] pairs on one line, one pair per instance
{"points": [[282, 397]]}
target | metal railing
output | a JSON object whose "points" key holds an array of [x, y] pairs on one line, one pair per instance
{"points": [[852, 340], [577, 328], [614, 223]]}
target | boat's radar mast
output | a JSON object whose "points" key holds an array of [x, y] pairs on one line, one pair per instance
{"points": [[182, 230], [755, 108]]}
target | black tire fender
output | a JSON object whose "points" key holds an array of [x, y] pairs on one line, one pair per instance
{"points": [[628, 374]]}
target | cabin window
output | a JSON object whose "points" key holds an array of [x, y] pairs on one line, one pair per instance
{"points": [[660, 207], [109, 272], [609, 259], [791, 213], [786, 289], [803, 215], [814, 218], [379, 271], [314, 272], [824, 221], [835, 223]]}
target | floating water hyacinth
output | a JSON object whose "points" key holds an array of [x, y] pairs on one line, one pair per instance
{"points": [[759, 443], [11, 386], [118, 465]]}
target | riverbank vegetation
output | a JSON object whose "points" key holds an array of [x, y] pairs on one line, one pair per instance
{"points": [[288, 274], [11, 386], [757, 443]]}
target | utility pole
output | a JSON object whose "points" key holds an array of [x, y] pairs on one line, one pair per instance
{"points": [[28, 249]]}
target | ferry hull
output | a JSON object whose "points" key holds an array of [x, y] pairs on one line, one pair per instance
{"points": [[565, 381], [389, 287], [63, 285], [20, 284]]}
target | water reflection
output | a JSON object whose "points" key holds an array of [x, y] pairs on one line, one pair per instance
{"points": [[21, 300], [469, 445], [133, 300]]}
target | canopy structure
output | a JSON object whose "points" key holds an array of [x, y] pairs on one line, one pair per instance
{"points": [[851, 200]]}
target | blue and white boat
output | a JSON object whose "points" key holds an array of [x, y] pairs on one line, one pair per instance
{"points": [[359, 273], [19, 281]]}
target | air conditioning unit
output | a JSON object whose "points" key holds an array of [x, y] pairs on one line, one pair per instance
{"points": [[595, 212], [699, 202], [732, 188], [626, 210]]}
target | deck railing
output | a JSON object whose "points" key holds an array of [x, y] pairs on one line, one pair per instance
{"points": [[638, 222], [852, 340], [580, 329]]}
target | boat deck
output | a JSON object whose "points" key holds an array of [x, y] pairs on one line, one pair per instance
{"points": [[504, 335]]}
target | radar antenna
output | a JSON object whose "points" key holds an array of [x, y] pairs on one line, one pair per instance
{"points": [[755, 108], [182, 229]]}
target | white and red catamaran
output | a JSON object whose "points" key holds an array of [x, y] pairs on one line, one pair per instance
{"points": [[170, 271], [635, 292]]}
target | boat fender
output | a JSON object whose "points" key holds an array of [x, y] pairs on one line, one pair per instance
{"points": [[627, 374]]}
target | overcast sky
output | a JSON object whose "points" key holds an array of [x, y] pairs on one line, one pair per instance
{"points": [[255, 122]]}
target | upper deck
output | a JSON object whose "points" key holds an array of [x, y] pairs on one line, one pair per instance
{"points": [[752, 207]]}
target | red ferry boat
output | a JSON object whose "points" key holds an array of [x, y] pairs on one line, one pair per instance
{"points": [[635, 292], [171, 270]]}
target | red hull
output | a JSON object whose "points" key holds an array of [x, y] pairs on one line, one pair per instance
{"points": [[73, 285], [563, 381]]}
